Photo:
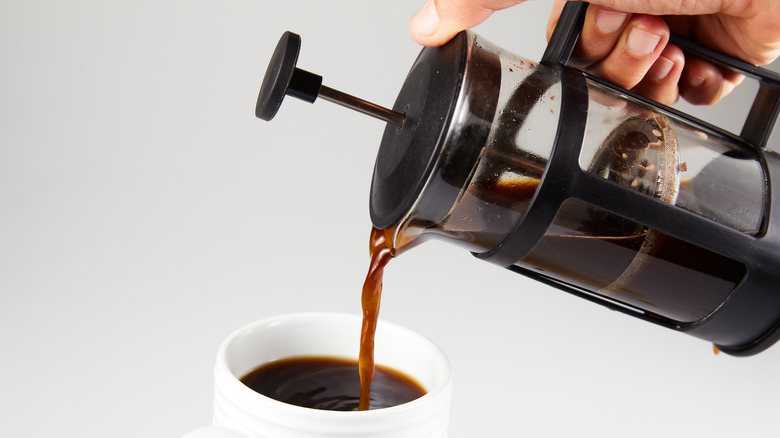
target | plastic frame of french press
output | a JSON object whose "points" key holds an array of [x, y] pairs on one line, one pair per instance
{"points": [[748, 320]]}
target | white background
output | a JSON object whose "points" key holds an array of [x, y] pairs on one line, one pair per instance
{"points": [[145, 213]]}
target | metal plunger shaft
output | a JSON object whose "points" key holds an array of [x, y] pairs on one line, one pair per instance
{"points": [[283, 78], [360, 105]]}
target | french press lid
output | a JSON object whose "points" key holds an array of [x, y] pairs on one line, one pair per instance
{"points": [[416, 123]]}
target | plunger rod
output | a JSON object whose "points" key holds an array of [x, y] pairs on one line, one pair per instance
{"points": [[360, 105], [283, 78]]}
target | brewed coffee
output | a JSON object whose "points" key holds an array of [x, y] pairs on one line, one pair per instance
{"points": [[329, 383], [380, 251]]}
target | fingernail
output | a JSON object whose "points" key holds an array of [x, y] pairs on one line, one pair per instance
{"points": [[661, 69], [696, 81], [608, 20], [641, 42], [426, 20]]}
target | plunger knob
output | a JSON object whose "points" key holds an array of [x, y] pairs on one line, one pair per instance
{"points": [[283, 78]]}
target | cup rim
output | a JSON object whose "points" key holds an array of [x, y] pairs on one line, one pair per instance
{"points": [[223, 371]]}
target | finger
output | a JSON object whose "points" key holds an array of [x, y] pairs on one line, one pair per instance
{"points": [[704, 84], [637, 49], [661, 81], [677, 7], [601, 31], [659, 7], [439, 20]]}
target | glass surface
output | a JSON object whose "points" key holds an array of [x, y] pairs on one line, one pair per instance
{"points": [[668, 159], [624, 261], [586, 246], [515, 148]]}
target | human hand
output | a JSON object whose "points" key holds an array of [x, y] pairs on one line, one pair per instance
{"points": [[630, 49]]}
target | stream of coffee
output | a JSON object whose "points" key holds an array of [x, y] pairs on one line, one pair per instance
{"points": [[381, 251]]}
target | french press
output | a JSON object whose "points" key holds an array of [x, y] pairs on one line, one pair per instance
{"points": [[567, 179]]}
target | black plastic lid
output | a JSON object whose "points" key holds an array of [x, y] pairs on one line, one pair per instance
{"points": [[407, 154]]}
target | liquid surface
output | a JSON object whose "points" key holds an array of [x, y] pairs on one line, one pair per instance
{"points": [[329, 383]]}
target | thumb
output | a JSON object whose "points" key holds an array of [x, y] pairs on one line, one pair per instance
{"points": [[439, 20]]}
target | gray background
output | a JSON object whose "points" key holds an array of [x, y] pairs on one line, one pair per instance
{"points": [[145, 214]]}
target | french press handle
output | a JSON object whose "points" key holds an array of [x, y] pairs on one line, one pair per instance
{"points": [[763, 113]]}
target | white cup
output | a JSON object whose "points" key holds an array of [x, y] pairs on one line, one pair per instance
{"points": [[240, 412]]}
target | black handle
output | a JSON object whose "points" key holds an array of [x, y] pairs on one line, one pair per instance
{"points": [[766, 105], [565, 34]]}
